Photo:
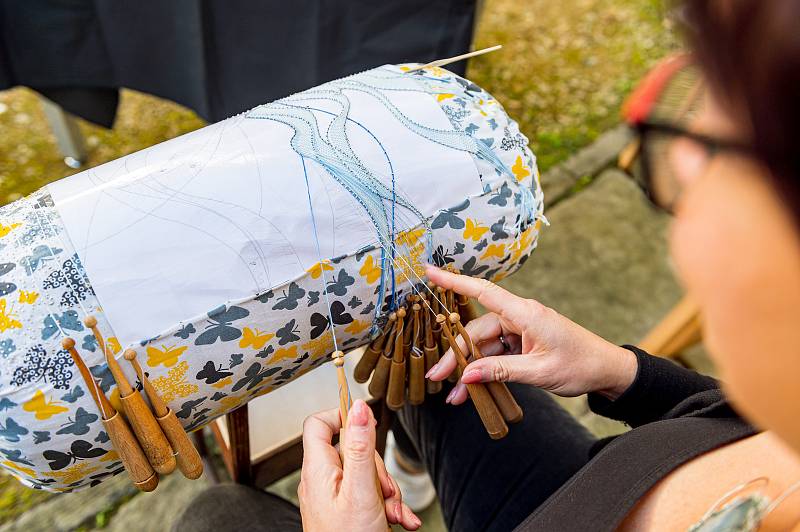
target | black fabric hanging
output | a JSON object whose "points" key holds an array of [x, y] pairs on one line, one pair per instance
{"points": [[216, 57]]}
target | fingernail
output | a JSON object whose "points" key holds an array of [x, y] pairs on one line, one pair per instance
{"points": [[450, 396], [431, 371], [415, 520], [471, 376], [359, 414], [398, 512]]}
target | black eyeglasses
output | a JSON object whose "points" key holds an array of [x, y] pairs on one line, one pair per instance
{"points": [[656, 139]]}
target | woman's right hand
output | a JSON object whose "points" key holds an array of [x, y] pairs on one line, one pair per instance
{"points": [[540, 347]]}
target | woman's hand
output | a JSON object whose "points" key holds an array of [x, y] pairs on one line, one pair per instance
{"points": [[525, 341], [339, 498]]}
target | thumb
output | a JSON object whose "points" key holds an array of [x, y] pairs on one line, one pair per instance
{"points": [[504, 368], [358, 454]]}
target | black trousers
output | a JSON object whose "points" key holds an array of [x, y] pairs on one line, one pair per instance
{"points": [[482, 484]]}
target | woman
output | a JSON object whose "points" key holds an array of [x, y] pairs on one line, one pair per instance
{"points": [[736, 244]]}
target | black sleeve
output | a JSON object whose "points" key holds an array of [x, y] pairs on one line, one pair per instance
{"points": [[659, 386]]}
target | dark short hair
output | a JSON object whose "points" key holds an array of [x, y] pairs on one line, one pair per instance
{"points": [[749, 51]]}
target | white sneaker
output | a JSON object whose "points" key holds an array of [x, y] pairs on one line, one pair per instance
{"points": [[417, 488]]}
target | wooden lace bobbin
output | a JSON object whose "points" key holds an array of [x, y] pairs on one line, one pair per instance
{"points": [[508, 406], [444, 343], [416, 361], [344, 408], [465, 308], [189, 461], [373, 352], [484, 403], [144, 424], [380, 377], [436, 328], [123, 440], [446, 297], [396, 391], [408, 326], [431, 350]]}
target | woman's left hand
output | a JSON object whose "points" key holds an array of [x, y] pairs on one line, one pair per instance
{"points": [[337, 498]]}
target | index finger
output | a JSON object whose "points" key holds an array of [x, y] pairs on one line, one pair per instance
{"points": [[318, 432], [488, 294]]}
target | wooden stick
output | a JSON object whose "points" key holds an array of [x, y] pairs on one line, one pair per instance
{"points": [[396, 390], [123, 440], [466, 308], [416, 362], [370, 357], [380, 377], [344, 407], [144, 425], [508, 406], [431, 350], [188, 459], [447, 61], [487, 409]]}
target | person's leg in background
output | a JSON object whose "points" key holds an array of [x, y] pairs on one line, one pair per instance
{"points": [[483, 484], [229, 507]]}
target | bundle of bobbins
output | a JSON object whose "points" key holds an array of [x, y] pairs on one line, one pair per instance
{"points": [[149, 442], [413, 339]]}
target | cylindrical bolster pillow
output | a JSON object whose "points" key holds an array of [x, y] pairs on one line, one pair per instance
{"points": [[216, 254]]}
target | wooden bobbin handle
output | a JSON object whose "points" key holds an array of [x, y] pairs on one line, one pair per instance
{"points": [[189, 461], [131, 454], [149, 433], [369, 359], [466, 308], [508, 406], [484, 403], [396, 391], [380, 377], [416, 377], [186, 455], [122, 439]]}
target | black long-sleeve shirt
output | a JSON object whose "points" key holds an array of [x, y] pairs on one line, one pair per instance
{"points": [[676, 415]]}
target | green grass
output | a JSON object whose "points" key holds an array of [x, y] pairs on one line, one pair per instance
{"points": [[16, 498], [566, 66]]}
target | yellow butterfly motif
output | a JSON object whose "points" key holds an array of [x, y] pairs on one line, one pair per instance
{"points": [[499, 276], [110, 456], [520, 170], [474, 230], [409, 237], [113, 345], [43, 407], [28, 297], [173, 385], [7, 316], [284, 353], [317, 269], [28, 471], [254, 338], [444, 96], [494, 250], [356, 326], [167, 355], [320, 346], [370, 270], [73, 473], [223, 383], [525, 240], [5, 229]]}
